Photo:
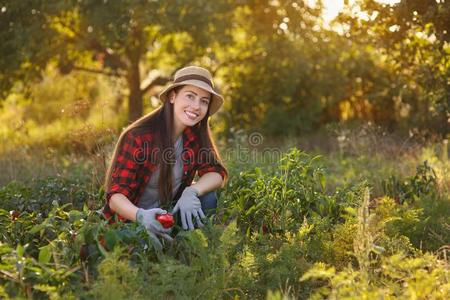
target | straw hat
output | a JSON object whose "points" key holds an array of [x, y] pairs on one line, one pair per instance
{"points": [[199, 77]]}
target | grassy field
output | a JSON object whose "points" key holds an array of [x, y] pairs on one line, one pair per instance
{"points": [[355, 214]]}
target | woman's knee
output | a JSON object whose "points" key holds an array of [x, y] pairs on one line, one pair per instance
{"points": [[209, 202]]}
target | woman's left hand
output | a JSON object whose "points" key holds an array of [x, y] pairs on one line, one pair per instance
{"points": [[189, 206]]}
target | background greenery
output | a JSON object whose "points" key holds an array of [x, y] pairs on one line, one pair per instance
{"points": [[282, 68], [335, 135]]}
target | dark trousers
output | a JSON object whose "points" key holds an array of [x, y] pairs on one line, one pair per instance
{"points": [[209, 202]]}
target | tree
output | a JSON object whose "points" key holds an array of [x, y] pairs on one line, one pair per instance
{"points": [[125, 39], [412, 40], [268, 64]]}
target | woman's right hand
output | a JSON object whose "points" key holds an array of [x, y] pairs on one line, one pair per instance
{"points": [[147, 217]]}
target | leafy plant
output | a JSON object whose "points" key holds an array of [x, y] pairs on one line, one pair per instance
{"points": [[274, 202], [422, 183]]}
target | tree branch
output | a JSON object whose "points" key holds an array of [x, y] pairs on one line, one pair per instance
{"points": [[96, 71], [94, 45], [148, 84], [113, 58], [236, 60]]}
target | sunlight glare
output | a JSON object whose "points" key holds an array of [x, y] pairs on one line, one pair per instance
{"points": [[333, 7]]}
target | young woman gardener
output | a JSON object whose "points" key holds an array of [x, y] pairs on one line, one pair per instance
{"points": [[157, 157]]}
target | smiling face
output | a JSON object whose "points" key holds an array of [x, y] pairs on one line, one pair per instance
{"points": [[190, 106]]}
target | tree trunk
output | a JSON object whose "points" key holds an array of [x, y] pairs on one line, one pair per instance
{"points": [[135, 108]]}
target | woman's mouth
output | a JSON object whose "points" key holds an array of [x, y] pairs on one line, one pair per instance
{"points": [[191, 115]]}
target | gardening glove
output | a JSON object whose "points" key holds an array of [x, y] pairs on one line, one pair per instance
{"points": [[147, 217], [189, 206]]}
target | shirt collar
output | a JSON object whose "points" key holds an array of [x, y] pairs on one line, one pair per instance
{"points": [[188, 136]]}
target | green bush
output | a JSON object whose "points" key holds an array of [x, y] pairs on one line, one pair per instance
{"points": [[41, 195], [276, 201], [421, 199]]}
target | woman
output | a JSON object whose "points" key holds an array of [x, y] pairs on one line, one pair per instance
{"points": [[157, 157]]}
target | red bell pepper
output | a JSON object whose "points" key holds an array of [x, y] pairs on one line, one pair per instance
{"points": [[166, 220]]}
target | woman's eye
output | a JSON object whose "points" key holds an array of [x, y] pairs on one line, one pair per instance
{"points": [[190, 96], [205, 102]]}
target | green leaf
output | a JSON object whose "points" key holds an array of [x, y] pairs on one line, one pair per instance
{"points": [[37, 228], [111, 238], [45, 254], [350, 211], [45, 288], [75, 215], [322, 180], [319, 271], [20, 250]]}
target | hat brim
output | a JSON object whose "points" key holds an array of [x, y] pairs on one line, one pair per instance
{"points": [[216, 101]]}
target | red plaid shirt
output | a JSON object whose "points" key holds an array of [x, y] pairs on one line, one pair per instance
{"points": [[136, 163]]}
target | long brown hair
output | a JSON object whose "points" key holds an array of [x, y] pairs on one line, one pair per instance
{"points": [[160, 122]]}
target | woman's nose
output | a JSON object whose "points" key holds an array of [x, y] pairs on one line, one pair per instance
{"points": [[196, 104]]}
